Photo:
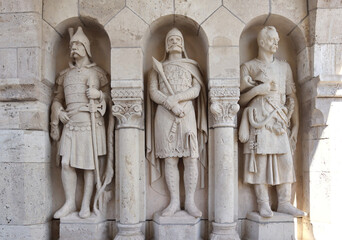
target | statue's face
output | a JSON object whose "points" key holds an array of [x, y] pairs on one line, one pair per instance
{"points": [[270, 43], [77, 50], [174, 44]]}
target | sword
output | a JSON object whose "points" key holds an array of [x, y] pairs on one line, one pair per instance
{"points": [[93, 108]]}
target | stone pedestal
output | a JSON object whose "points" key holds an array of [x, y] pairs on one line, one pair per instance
{"points": [[280, 227], [178, 227], [73, 227]]}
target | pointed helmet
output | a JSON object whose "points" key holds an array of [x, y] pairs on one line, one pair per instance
{"points": [[79, 36], [175, 32]]}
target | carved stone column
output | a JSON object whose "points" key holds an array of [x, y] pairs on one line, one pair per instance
{"points": [[223, 109], [128, 111]]}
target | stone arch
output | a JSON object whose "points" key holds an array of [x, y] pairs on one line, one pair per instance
{"points": [[292, 48], [196, 45]]}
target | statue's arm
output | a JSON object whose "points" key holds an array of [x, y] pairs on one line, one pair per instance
{"points": [[57, 104], [191, 93], [156, 95]]}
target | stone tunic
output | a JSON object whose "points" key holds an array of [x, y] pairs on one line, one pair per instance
{"points": [[174, 136], [268, 157], [76, 146]]}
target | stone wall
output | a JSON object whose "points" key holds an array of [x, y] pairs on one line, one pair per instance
{"points": [[220, 35]]}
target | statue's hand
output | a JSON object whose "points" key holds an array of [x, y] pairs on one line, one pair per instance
{"points": [[93, 93], [178, 111], [171, 101], [63, 116], [264, 88]]}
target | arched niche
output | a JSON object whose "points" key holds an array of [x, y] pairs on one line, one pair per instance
{"points": [[290, 45], [100, 50], [196, 45]]}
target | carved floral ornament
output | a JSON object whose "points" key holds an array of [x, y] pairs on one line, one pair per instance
{"points": [[127, 107], [223, 106]]}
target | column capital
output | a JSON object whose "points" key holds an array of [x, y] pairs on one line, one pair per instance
{"points": [[223, 106], [127, 107]]}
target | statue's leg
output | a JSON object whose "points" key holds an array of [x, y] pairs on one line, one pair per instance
{"points": [[172, 181], [261, 192], [88, 191], [190, 182], [69, 180], [284, 201]]}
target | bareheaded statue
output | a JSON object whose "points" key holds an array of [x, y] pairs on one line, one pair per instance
{"points": [[178, 125], [269, 125], [82, 93]]}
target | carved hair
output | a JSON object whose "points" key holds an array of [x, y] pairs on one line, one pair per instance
{"points": [[263, 34]]}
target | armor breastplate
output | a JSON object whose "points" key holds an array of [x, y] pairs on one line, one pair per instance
{"points": [[179, 79], [75, 85]]}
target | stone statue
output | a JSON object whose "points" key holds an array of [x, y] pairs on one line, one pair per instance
{"points": [[269, 125], [179, 126], [79, 103]]}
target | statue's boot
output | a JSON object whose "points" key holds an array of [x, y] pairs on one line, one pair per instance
{"points": [[172, 181], [190, 183], [69, 180], [88, 191], [284, 201], [261, 192]]}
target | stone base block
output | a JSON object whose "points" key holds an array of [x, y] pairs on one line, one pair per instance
{"points": [[30, 232], [280, 227], [177, 227], [73, 227]]}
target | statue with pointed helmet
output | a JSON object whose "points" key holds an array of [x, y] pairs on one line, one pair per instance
{"points": [[78, 107], [178, 129], [269, 125]]}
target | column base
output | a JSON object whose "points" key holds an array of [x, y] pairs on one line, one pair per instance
{"points": [[260, 228], [129, 232], [72, 227], [224, 231], [180, 226]]}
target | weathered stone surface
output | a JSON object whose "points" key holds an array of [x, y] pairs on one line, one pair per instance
{"points": [[73, 227], [150, 10], [125, 33], [16, 89], [122, 61], [222, 62], [326, 59], [102, 10], [195, 9], [21, 6], [223, 28], [259, 228], [22, 146], [294, 10], [301, 35], [25, 115], [29, 63], [327, 28], [22, 30], [304, 66], [48, 62], [313, 4], [55, 12], [30, 232], [26, 194], [180, 226], [8, 63], [247, 10]]}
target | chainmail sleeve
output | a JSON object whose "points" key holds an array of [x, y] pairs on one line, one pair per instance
{"points": [[156, 95]]}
